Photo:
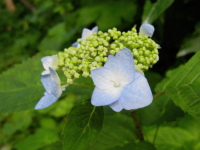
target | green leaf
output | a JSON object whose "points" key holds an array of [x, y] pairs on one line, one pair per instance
{"points": [[190, 44], [183, 86], [117, 131], [83, 126], [188, 74], [40, 138], [153, 10], [20, 87], [172, 138], [187, 97]]}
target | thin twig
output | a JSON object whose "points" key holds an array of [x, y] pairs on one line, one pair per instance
{"points": [[137, 125]]}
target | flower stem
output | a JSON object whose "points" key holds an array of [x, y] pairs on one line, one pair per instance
{"points": [[138, 126]]}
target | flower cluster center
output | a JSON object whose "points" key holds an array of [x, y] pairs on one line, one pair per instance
{"points": [[116, 83]]}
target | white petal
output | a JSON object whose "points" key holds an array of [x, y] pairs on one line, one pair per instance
{"points": [[116, 106], [46, 81], [146, 29], [45, 72], [46, 62], [56, 89], [95, 29], [122, 65], [86, 32], [50, 61], [105, 97], [46, 101], [103, 77], [137, 94]]}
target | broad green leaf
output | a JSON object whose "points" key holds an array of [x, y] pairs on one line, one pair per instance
{"points": [[169, 74], [172, 138], [153, 10], [39, 139], [183, 86], [84, 123], [187, 97], [188, 74], [190, 44], [20, 87], [117, 131]]}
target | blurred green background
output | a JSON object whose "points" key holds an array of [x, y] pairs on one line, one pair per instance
{"points": [[31, 27]]}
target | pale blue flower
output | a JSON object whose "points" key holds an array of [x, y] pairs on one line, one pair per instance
{"points": [[119, 85], [51, 83], [49, 61], [146, 29], [86, 32]]}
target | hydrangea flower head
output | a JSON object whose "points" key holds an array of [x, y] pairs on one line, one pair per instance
{"points": [[49, 61], [119, 85], [51, 83], [93, 52], [86, 32]]}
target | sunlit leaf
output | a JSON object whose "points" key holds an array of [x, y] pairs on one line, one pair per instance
{"points": [[20, 87], [84, 123], [183, 86], [172, 138], [187, 97]]}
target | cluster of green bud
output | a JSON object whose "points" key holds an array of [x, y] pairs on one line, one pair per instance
{"points": [[93, 52]]}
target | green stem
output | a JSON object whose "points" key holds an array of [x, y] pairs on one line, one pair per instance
{"points": [[158, 94], [138, 126]]}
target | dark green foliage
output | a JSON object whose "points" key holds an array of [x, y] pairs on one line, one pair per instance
{"points": [[84, 124]]}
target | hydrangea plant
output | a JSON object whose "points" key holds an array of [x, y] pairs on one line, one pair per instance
{"points": [[115, 60]]}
